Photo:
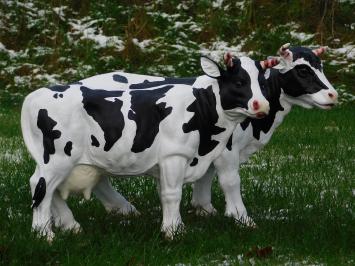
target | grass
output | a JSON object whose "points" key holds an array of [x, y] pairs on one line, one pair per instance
{"points": [[299, 190]]}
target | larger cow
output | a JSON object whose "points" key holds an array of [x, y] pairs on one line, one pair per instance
{"points": [[128, 124], [297, 80]]}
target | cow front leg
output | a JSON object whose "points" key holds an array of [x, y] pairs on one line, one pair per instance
{"points": [[62, 215], [171, 180], [229, 180], [112, 200], [201, 195]]}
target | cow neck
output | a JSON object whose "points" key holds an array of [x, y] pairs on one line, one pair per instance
{"points": [[276, 83], [274, 118]]}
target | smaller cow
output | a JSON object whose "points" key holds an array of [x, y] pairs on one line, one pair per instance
{"points": [[297, 80], [128, 124]]}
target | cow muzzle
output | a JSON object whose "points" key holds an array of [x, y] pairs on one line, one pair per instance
{"points": [[259, 108], [325, 99]]}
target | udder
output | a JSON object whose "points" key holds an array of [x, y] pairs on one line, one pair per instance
{"points": [[82, 179]]}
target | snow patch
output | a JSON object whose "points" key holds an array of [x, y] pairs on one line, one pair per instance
{"points": [[11, 53], [348, 50], [301, 36], [84, 27], [217, 49]]}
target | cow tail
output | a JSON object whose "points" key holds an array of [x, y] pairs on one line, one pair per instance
{"points": [[28, 122]]}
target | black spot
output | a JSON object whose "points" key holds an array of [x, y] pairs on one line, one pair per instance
{"points": [[46, 125], [229, 143], [266, 123], [120, 78], [204, 119], [147, 115], [61, 95], [68, 147], [167, 81], [59, 88], [194, 162], [106, 113], [235, 87], [55, 95], [264, 87], [308, 55], [94, 141], [40, 192], [301, 80]]}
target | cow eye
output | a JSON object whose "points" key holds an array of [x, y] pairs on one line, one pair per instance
{"points": [[238, 84], [303, 72]]}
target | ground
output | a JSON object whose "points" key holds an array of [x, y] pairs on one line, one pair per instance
{"points": [[300, 189]]}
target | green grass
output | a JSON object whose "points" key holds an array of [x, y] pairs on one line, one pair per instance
{"points": [[299, 190]]}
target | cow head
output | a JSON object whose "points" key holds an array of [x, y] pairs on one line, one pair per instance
{"points": [[241, 86], [302, 78]]}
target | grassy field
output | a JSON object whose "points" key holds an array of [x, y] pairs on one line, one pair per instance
{"points": [[299, 190]]}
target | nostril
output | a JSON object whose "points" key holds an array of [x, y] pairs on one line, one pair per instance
{"points": [[256, 105], [331, 95]]}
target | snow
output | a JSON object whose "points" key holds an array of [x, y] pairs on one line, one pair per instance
{"points": [[84, 27], [60, 11], [301, 36], [217, 49], [51, 79], [143, 44], [348, 50], [217, 3], [11, 53]]}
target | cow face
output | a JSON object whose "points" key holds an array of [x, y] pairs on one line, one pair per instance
{"points": [[240, 86], [303, 80]]}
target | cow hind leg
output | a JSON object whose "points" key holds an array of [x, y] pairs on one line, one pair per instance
{"points": [[43, 185], [112, 200], [62, 215], [201, 196]]}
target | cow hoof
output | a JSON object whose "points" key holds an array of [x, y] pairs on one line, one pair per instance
{"points": [[48, 236], [172, 232], [75, 228], [130, 210], [206, 210], [126, 211]]}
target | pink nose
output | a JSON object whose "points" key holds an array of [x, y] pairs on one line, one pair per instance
{"points": [[331, 95], [256, 105]]}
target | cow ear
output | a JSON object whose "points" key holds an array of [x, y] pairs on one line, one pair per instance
{"points": [[286, 56], [210, 67]]}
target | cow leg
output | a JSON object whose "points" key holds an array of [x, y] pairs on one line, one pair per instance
{"points": [[63, 217], [171, 181], [229, 180], [43, 184], [201, 196], [112, 200]]}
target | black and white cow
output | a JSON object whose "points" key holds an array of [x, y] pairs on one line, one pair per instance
{"points": [[128, 124], [297, 80]]}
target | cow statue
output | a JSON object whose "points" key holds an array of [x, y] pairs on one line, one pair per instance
{"points": [[128, 124], [297, 80]]}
